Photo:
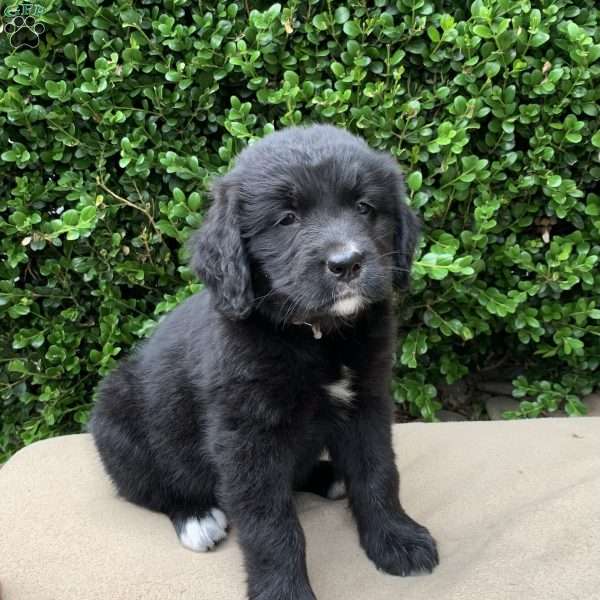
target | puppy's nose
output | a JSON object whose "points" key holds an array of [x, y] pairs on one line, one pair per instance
{"points": [[345, 264]]}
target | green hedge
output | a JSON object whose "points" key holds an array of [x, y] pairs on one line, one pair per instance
{"points": [[112, 127]]}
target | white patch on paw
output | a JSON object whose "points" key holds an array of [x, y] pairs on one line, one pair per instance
{"points": [[341, 391], [337, 490], [347, 306], [202, 534], [219, 517]]}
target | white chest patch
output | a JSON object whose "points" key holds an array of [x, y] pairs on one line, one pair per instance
{"points": [[341, 391]]}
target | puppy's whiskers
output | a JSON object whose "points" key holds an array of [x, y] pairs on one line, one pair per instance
{"points": [[260, 300], [394, 269], [394, 252], [290, 307]]}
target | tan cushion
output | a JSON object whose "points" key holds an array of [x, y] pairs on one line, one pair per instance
{"points": [[515, 507]]}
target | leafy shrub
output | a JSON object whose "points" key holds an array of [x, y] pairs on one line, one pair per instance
{"points": [[111, 128]]}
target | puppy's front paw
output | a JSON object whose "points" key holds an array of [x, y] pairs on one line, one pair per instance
{"points": [[400, 546]]}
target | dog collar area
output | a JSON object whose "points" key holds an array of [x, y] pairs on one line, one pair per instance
{"points": [[316, 329]]}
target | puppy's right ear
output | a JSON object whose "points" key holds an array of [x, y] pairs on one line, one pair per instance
{"points": [[218, 256]]}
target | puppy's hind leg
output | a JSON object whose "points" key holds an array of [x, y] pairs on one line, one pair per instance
{"points": [[200, 531], [120, 440], [193, 508], [324, 481]]}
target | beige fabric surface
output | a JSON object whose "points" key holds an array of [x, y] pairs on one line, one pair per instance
{"points": [[515, 507]]}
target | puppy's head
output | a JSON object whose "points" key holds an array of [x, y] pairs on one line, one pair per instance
{"points": [[309, 224]]}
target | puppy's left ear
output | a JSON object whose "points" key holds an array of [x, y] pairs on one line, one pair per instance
{"points": [[218, 253], [406, 236]]}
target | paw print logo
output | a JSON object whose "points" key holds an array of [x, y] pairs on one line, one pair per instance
{"points": [[24, 32]]}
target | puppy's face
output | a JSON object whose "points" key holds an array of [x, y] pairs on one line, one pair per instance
{"points": [[322, 236], [310, 224]]}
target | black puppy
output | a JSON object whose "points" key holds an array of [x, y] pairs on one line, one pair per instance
{"points": [[228, 407]]}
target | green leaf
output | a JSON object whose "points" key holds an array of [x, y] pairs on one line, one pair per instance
{"points": [[70, 217], [492, 69], [554, 181], [351, 29], [56, 354], [482, 31], [414, 181], [291, 78], [88, 214], [397, 57], [9, 156], [337, 69], [434, 34], [414, 345], [341, 15], [320, 22], [178, 195], [194, 201], [56, 89], [538, 39]]}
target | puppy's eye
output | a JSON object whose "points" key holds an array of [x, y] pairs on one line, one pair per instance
{"points": [[289, 219], [363, 208]]}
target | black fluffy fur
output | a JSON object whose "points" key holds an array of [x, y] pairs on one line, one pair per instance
{"points": [[226, 404]]}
